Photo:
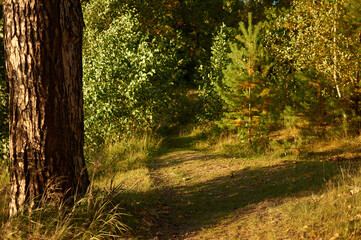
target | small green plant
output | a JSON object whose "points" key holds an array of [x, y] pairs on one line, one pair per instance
{"points": [[244, 88]]}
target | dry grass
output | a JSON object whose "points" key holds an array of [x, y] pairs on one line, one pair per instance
{"points": [[333, 213], [117, 173], [98, 215], [204, 187], [217, 193]]}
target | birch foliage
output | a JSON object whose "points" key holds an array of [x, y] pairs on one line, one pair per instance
{"points": [[129, 79]]}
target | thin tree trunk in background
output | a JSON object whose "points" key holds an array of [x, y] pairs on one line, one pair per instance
{"points": [[335, 61], [43, 40], [357, 89], [335, 64], [249, 117], [357, 99]]}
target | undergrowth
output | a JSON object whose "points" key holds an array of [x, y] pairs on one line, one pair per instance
{"points": [[97, 215], [122, 156], [101, 213], [293, 187]]}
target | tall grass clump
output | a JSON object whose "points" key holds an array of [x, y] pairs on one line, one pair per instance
{"points": [[100, 214], [97, 215]]}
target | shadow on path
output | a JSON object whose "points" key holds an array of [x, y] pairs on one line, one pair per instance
{"points": [[190, 207]]}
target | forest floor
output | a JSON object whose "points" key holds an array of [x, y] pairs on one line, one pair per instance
{"points": [[192, 186], [197, 194]]}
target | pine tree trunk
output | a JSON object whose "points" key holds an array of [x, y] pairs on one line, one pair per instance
{"points": [[43, 41]]}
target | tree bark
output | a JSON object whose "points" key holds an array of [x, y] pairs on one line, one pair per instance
{"points": [[43, 40]]}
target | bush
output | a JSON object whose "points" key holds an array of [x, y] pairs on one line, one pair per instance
{"points": [[129, 78]]}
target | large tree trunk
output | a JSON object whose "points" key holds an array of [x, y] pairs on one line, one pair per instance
{"points": [[43, 41]]}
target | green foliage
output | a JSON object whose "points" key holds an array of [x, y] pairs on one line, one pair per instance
{"points": [[210, 100], [311, 42], [315, 62], [245, 89], [351, 28], [140, 61], [130, 80]]}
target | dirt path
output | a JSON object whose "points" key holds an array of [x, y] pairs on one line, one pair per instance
{"points": [[213, 196], [172, 174], [199, 190]]}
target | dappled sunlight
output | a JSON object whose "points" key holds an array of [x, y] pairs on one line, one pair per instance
{"points": [[317, 215], [194, 119], [338, 149], [204, 190], [338, 145], [134, 180]]}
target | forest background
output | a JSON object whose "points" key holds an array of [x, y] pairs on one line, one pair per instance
{"points": [[245, 68], [152, 66]]}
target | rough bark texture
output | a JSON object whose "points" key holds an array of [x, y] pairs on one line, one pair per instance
{"points": [[44, 68]]}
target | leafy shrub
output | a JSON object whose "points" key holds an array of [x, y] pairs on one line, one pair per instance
{"points": [[212, 76], [129, 78]]}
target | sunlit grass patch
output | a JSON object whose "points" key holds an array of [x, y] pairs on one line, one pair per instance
{"points": [[232, 191], [125, 155], [334, 146], [135, 180], [228, 144], [311, 194], [332, 213]]}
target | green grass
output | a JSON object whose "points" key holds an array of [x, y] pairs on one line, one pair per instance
{"points": [[201, 185], [122, 156]]}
